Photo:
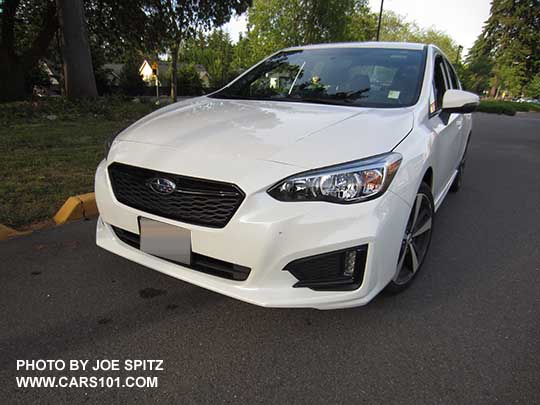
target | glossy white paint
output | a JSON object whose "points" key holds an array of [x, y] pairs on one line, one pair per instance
{"points": [[459, 98], [254, 144], [290, 133]]}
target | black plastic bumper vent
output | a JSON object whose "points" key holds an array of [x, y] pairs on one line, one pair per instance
{"points": [[340, 270]]}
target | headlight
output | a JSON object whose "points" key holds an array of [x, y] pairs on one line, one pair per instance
{"points": [[344, 184]]}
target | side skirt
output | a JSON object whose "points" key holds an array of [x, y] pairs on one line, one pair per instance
{"points": [[440, 198]]}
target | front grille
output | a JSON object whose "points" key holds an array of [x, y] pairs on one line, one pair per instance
{"points": [[195, 201], [334, 271], [202, 263]]}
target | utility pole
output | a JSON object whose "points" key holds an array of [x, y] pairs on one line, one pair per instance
{"points": [[380, 19], [458, 56], [155, 72]]}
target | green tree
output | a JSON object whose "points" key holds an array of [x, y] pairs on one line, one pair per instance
{"points": [[362, 25], [510, 44], [26, 30], [131, 82], [276, 24], [532, 89], [396, 28], [242, 55], [214, 51], [173, 21], [118, 28], [189, 82]]}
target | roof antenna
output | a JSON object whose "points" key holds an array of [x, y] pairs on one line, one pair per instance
{"points": [[380, 18]]}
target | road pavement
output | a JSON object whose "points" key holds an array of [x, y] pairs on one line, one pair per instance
{"points": [[467, 331]]}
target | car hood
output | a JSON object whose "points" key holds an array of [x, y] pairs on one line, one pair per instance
{"points": [[298, 134]]}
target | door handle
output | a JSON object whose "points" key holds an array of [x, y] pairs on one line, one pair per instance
{"points": [[459, 123]]}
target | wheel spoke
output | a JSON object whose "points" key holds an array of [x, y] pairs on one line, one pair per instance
{"points": [[402, 259], [412, 250], [414, 257], [417, 204], [422, 229]]}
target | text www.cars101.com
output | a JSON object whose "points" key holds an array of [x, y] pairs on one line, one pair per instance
{"points": [[87, 382]]}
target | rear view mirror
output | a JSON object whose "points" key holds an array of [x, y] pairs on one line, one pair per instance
{"points": [[459, 101]]}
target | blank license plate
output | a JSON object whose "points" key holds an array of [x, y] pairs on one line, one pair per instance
{"points": [[166, 241]]}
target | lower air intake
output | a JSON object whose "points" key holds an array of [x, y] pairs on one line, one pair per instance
{"points": [[204, 264], [341, 270]]}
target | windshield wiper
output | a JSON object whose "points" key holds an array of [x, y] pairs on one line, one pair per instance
{"points": [[351, 95], [338, 98], [316, 100]]}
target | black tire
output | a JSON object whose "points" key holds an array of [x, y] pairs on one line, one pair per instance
{"points": [[458, 181], [414, 249]]}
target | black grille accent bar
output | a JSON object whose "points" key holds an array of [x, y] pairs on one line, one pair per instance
{"points": [[202, 263], [195, 201], [327, 271]]}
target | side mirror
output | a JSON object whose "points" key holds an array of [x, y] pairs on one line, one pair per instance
{"points": [[459, 101]]}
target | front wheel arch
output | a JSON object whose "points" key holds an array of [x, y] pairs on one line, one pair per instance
{"points": [[416, 240]]}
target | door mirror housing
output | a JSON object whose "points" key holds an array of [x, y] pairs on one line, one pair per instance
{"points": [[459, 101]]}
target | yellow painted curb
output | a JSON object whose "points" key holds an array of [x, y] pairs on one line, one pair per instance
{"points": [[77, 207], [6, 232]]}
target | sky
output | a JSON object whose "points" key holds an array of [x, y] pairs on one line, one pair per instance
{"points": [[461, 19]]}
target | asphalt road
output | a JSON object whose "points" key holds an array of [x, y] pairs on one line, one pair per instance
{"points": [[467, 331]]}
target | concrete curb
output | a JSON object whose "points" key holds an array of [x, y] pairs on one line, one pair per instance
{"points": [[7, 233], [77, 207]]}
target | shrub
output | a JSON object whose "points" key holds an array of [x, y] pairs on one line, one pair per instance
{"points": [[111, 108], [189, 83], [506, 107], [496, 107], [131, 82], [103, 84]]}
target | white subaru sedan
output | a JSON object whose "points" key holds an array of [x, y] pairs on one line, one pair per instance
{"points": [[309, 181]]}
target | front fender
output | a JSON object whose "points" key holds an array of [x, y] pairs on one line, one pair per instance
{"points": [[416, 150]]}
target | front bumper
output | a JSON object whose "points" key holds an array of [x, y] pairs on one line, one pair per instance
{"points": [[265, 235]]}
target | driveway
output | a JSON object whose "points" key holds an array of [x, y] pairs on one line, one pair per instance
{"points": [[467, 331]]}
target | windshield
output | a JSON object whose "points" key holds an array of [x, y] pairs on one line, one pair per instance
{"points": [[366, 77]]}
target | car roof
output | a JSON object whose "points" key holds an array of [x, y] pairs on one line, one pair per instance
{"points": [[387, 45]]}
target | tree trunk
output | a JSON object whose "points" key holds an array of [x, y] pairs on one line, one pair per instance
{"points": [[174, 73], [15, 66], [12, 80], [78, 69], [495, 88]]}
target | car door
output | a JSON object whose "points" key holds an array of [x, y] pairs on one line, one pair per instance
{"points": [[447, 129], [465, 122]]}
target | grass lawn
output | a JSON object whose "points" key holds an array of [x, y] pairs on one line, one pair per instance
{"points": [[49, 150], [506, 107]]}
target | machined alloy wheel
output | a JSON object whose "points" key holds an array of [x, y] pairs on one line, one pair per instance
{"points": [[416, 241]]}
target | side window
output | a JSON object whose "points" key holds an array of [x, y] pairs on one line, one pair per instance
{"points": [[453, 77], [439, 85]]}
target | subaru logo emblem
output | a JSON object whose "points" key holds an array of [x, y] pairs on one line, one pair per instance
{"points": [[162, 186]]}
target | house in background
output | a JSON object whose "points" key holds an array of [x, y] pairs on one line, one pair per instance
{"points": [[163, 67], [146, 70], [53, 78]]}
